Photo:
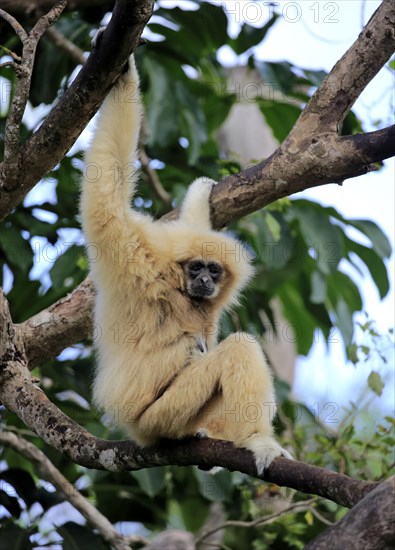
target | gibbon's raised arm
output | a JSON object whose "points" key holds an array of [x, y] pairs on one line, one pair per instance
{"points": [[110, 164]]}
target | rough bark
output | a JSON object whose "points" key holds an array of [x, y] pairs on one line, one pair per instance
{"points": [[72, 317], [21, 396], [370, 525], [59, 131], [34, 8], [313, 154]]}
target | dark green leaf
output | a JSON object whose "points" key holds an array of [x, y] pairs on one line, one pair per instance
{"points": [[277, 75], [15, 537], [22, 482], [374, 263], [344, 321], [68, 269], [16, 249], [77, 536], [250, 36], [379, 240], [281, 117], [318, 287], [10, 503], [152, 480], [324, 239], [162, 114]]}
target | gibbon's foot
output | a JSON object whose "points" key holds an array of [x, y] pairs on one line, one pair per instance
{"points": [[265, 450], [203, 186]]}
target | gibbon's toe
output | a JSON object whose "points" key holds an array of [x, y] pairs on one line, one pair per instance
{"points": [[265, 450], [97, 38], [204, 185], [286, 454]]}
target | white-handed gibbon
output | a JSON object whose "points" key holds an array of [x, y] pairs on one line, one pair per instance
{"points": [[161, 289]]}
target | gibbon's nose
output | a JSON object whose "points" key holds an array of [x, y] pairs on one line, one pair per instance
{"points": [[205, 280]]}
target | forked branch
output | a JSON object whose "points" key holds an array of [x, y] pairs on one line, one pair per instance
{"points": [[10, 167]]}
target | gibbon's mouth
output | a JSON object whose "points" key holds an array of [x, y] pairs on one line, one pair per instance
{"points": [[201, 293]]}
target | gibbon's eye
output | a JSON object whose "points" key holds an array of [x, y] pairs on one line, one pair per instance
{"points": [[195, 268], [215, 270]]}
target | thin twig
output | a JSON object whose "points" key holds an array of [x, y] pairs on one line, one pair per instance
{"points": [[66, 45], [10, 171], [12, 54], [301, 505], [319, 516], [19, 30], [152, 177], [8, 64], [70, 493]]}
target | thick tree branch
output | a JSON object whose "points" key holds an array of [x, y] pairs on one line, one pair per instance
{"points": [[68, 118], [66, 489], [314, 161], [10, 167], [309, 157], [370, 525], [352, 73], [20, 395], [72, 317]]}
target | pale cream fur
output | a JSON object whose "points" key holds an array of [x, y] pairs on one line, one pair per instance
{"points": [[150, 373]]}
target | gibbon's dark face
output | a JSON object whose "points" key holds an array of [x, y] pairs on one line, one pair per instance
{"points": [[203, 279]]}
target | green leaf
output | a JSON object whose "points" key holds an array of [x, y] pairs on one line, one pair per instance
{"points": [[318, 287], [22, 482], [379, 240], [201, 31], [163, 109], [151, 480], [278, 75], [67, 270], [16, 249], [77, 536], [281, 117], [15, 537], [11, 504], [250, 36], [352, 353], [324, 239], [344, 321], [301, 328], [374, 263], [316, 78], [375, 383], [215, 488], [193, 121]]}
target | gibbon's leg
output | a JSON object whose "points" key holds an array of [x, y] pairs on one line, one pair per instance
{"points": [[236, 369], [110, 166], [195, 208]]}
